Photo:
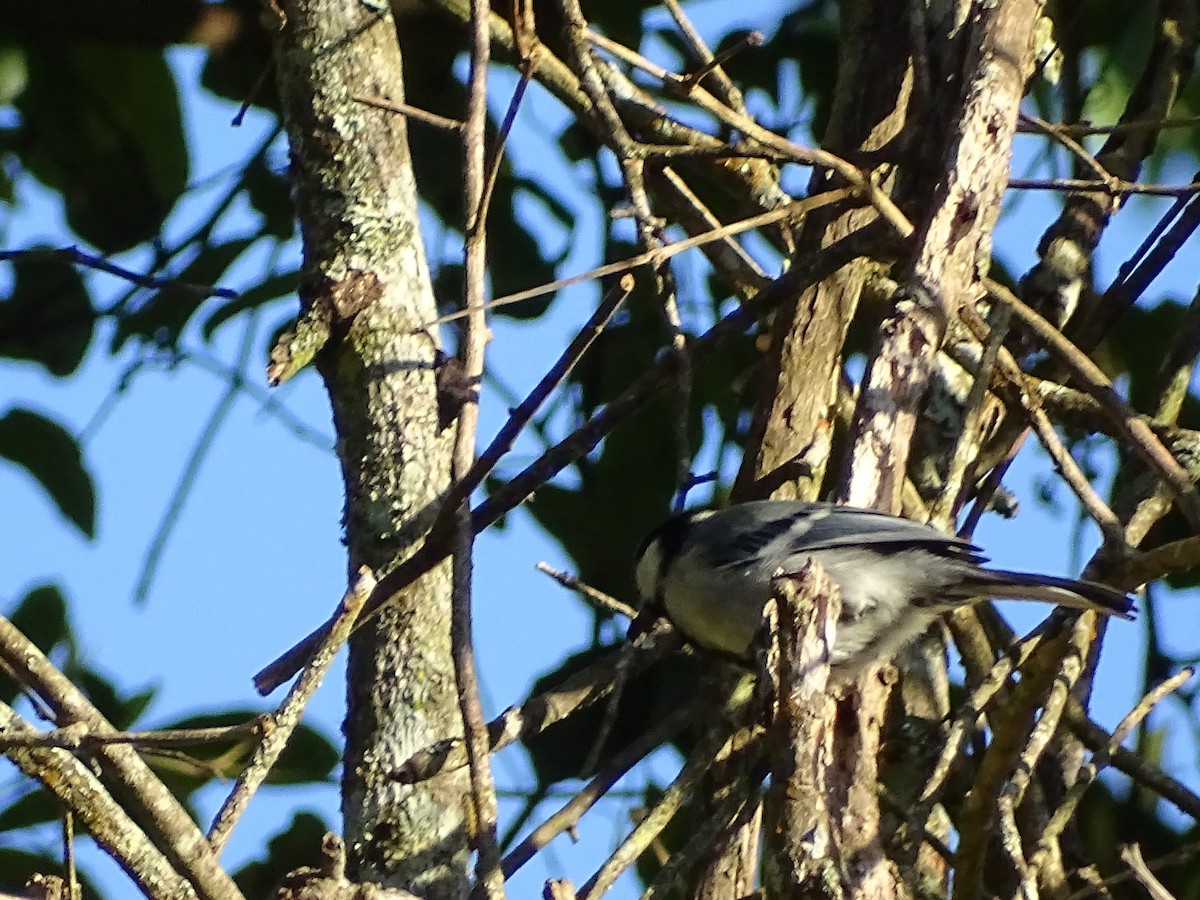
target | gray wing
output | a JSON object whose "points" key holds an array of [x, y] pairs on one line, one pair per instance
{"points": [[801, 528]]}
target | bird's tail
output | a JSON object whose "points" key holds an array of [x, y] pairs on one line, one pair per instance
{"points": [[1002, 585]]}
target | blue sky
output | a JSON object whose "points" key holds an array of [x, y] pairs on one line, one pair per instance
{"points": [[256, 559]]}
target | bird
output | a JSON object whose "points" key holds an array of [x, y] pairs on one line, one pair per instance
{"points": [[710, 573]]}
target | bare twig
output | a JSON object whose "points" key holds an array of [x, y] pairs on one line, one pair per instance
{"points": [[538, 713], [710, 64], [712, 745], [649, 227], [166, 823], [1115, 186], [1137, 432], [568, 816], [1083, 129], [983, 808], [728, 256], [1141, 772], [792, 212], [488, 880], [1071, 144], [1101, 758], [68, 829], [554, 377], [283, 724], [600, 599], [966, 448], [1137, 274], [969, 713], [76, 738], [74, 256], [1183, 855], [1177, 556], [412, 112], [1132, 856], [106, 820]]}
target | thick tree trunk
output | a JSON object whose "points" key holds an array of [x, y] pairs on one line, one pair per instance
{"points": [[365, 290]]}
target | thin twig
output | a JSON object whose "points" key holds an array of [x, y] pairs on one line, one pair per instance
{"points": [[488, 880], [984, 807], [411, 112], [1116, 186], [710, 64], [728, 256], [793, 211], [1128, 763], [1142, 440], [966, 448], [275, 737], [1047, 843], [1071, 144], [68, 830], [787, 151], [166, 822], [1184, 854], [555, 375], [1182, 555], [204, 445], [648, 226], [1132, 856], [1136, 275], [570, 813], [711, 746], [74, 256], [603, 601], [1084, 129], [969, 713], [538, 713], [78, 789], [74, 738]]}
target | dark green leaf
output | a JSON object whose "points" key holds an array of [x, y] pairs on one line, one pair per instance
{"points": [[102, 127], [561, 750], [271, 194], [298, 845], [164, 315], [42, 617], [34, 808], [18, 866], [309, 757], [121, 711], [51, 456], [270, 288], [48, 318], [623, 492], [14, 73], [1138, 346], [241, 71]]}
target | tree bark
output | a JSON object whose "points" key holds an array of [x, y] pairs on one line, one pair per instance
{"points": [[365, 290]]}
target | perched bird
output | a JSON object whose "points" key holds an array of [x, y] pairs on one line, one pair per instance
{"points": [[710, 572]]}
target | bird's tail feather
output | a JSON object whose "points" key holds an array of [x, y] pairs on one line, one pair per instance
{"points": [[1003, 585]]}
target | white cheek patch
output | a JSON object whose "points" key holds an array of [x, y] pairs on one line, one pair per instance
{"points": [[647, 573]]}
